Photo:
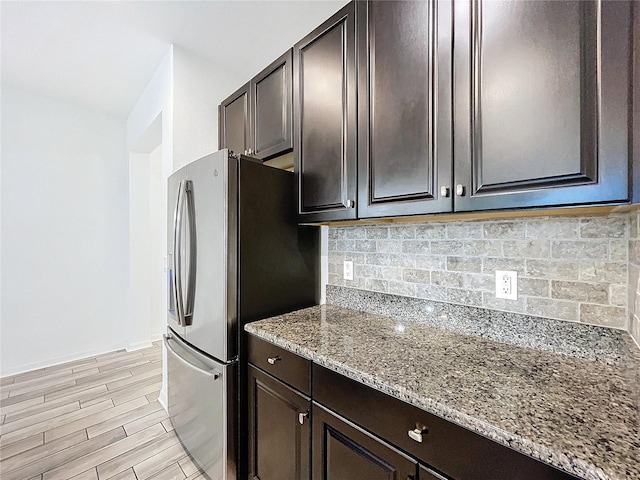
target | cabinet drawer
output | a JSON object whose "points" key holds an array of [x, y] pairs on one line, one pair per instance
{"points": [[449, 448], [282, 364]]}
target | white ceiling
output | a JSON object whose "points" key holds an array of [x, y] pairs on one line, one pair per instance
{"points": [[102, 54]]}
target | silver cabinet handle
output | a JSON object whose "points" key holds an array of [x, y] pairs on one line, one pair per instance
{"points": [[351, 203], [416, 433], [273, 360], [460, 190], [302, 416], [444, 191]]}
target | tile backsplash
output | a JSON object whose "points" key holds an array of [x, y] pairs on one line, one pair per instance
{"points": [[569, 268]]}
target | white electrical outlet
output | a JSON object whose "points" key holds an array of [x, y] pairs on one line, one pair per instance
{"points": [[348, 270], [507, 284]]}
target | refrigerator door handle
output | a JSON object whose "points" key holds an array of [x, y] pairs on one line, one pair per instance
{"points": [[212, 373], [193, 253], [177, 254]]}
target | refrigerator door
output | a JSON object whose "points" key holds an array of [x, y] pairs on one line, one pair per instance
{"points": [[211, 203], [200, 403], [175, 232]]}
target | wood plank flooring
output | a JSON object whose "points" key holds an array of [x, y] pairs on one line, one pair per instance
{"points": [[91, 419]]}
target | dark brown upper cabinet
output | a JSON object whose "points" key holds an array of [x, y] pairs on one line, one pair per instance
{"points": [[404, 104], [234, 121], [256, 120], [324, 102], [542, 103]]}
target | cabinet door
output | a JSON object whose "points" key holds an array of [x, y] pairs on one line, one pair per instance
{"points": [[234, 121], [404, 97], [342, 451], [542, 92], [324, 86], [279, 437], [271, 109]]}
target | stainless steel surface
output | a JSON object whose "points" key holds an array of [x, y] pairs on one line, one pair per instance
{"points": [[273, 360], [444, 191], [177, 254], [197, 404], [460, 190], [213, 373], [214, 209], [174, 314], [192, 253]]}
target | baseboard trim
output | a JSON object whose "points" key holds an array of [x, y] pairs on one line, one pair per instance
{"points": [[162, 400], [139, 346], [72, 357]]}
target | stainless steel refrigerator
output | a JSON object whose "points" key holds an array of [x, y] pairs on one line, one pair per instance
{"points": [[235, 254]]}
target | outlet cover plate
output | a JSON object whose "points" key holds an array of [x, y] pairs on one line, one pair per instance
{"points": [[348, 270], [507, 284]]}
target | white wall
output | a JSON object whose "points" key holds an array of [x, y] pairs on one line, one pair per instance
{"points": [[64, 232]]}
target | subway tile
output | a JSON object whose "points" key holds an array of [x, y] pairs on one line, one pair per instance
{"points": [[464, 264], [482, 248], [389, 246], [618, 295], [447, 279], [634, 252], [376, 285], [416, 246], [604, 227], [607, 316], [580, 291], [367, 271], [526, 248], [603, 272], [402, 232], [355, 233], [365, 246], [490, 265], [552, 228], [547, 307], [402, 288], [509, 230], [390, 273], [431, 292], [489, 300], [430, 231], [336, 233], [413, 275], [389, 259], [476, 281], [345, 245], [462, 230], [618, 250], [355, 257], [376, 232], [464, 297], [447, 247], [568, 250], [552, 269], [431, 262], [535, 287]]}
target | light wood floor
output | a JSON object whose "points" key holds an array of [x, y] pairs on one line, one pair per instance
{"points": [[95, 418]]}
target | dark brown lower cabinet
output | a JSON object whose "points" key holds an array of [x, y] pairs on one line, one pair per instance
{"points": [[279, 430], [342, 451]]}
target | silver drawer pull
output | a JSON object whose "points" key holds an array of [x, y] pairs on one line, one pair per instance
{"points": [[302, 416], [416, 433], [273, 360]]}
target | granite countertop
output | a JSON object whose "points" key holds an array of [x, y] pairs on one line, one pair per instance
{"points": [[580, 415]]}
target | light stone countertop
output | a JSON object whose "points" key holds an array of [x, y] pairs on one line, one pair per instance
{"points": [[578, 414]]}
